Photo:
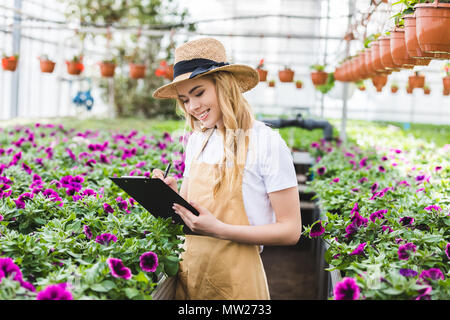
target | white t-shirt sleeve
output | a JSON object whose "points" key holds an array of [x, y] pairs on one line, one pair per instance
{"points": [[276, 164], [189, 154]]}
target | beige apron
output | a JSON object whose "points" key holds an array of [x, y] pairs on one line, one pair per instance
{"points": [[212, 268]]}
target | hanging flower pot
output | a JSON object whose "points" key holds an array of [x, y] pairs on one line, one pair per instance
{"points": [[107, 68], [409, 90], [319, 76], [10, 63], [398, 49], [394, 88], [433, 26], [46, 65], [75, 66], [299, 84], [386, 56], [445, 92], [286, 75], [272, 83], [137, 71], [446, 82], [416, 80], [426, 90], [412, 44], [261, 71], [379, 81], [376, 57]]}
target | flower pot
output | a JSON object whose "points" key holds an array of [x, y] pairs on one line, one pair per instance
{"points": [[409, 90], [286, 75], [446, 83], [376, 57], [426, 91], [47, 66], [445, 92], [398, 49], [9, 63], [412, 44], [137, 71], [394, 89], [298, 85], [271, 84], [362, 66], [379, 81], [319, 77], [107, 69], [386, 56], [74, 68], [262, 74], [433, 26], [416, 81]]}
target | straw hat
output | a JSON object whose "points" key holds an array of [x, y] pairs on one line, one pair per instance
{"points": [[204, 56]]}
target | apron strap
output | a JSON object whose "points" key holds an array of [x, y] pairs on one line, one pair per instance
{"points": [[205, 142]]}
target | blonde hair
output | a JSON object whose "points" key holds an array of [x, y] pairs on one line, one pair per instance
{"points": [[237, 119]]}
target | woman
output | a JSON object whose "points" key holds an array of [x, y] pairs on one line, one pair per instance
{"points": [[239, 175]]}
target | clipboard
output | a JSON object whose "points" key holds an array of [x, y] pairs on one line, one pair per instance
{"points": [[155, 196]]}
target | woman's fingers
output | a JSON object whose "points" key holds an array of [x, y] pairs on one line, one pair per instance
{"points": [[157, 173]]}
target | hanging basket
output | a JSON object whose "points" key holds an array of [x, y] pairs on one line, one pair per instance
{"points": [[47, 66], [9, 63], [409, 90], [412, 44], [379, 81], [74, 68], [107, 69], [298, 84], [137, 71], [398, 49], [416, 81], [426, 91], [394, 89], [271, 83], [386, 56], [433, 26], [319, 78], [262, 74], [286, 75]]}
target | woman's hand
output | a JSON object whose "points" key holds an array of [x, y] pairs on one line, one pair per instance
{"points": [[170, 181], [205, 223]]}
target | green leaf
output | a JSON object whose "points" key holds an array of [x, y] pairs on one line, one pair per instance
{"points": [[104, 286], [131, 292]]}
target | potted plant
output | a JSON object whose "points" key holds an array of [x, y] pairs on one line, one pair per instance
{"points": [[75, 66], [394, 88], [412, 44], [286, 75], [299, 84], [446, 79], [46, 65], [426, 89], [137, 70], [417, 80], [318, 76], [272, 83], [262, 72], [432, 26], [9, 63], [107, 67]]}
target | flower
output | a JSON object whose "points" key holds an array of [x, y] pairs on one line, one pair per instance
{"points": [[432, 207], [105, 238], [317, 229], [431, 274], [424, 294], [148, 261], [406, 221], [381, 169], [118, 270], [347, 289], [374, 187], [321, 171], [359, 250], [9, 268], [87, 232], [377, 215], [55, 292], [363, 162], [447, 249], [108, 208], [403, 250], [408, 273]]}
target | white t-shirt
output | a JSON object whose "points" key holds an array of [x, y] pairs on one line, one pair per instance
{"points": [[269, 167]]}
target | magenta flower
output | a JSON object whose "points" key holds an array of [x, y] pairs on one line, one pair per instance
{"points": [[9, 268], [404, 250], [431, 274], [106, 238], [336, 180], [27, 168], [108, 208], [406, 221], [317, 229], [314, 145], [432, 207], [437, 168], [347, 289], [350, 229], [148, 261], [447, 249], [384, 228], [377, 215], [381, 169], [362, 180], [359, 250], [87, 231], [117, 268], [374, 187], [424, 294], [363, 162], [55, 292], [321, 171]]}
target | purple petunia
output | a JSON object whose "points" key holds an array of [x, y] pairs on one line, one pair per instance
{"points": [[108, 208], [432, 207], [404, 250], [347, 289], [55, 292], [148, 261], [317, 229], [406, 221], [106, 238], [377, 215], [447, 249], [117, 268], [9, 269], [363, 162], [321, 171], [359, 250], [431, 274], [424, 294], [408, 273], [87, 231]]}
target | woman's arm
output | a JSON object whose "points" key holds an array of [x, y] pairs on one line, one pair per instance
{"points": [[285, 230]]}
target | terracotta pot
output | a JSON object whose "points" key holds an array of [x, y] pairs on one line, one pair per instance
{"points": [[376, 57], [107, 69], [262, 74], [386, 56], [426, 91], [137, 71], [74, 68], [394, 89], [398, 49], [47, 66], [442, 56], [445, 92], [409, 90], [446, 82], [379, 81], [319, 77], [363, 66], [412, 44], [9, 63], [416, 81], [299, 85], [272, 84], [433, 26], [286, 75]]}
